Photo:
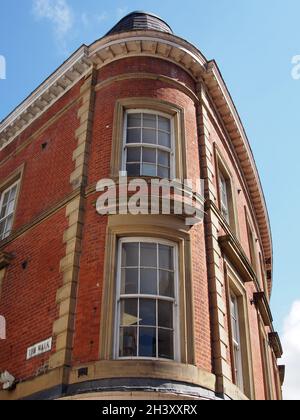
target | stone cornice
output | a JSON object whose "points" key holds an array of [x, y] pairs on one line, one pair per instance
{"points": [[44, 96], [276, 345], [236, 255], [281, 374], [167, 47], [262, 304]]}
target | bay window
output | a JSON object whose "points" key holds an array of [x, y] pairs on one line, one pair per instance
{"points": [[147, 300], [148, 144]]}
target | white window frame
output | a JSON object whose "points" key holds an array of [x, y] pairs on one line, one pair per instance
{"points": [[6, 234], [150, 146], [176, 320], [236, 341]]}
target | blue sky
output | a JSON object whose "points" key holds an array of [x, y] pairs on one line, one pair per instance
{"points": [[253, 42]]}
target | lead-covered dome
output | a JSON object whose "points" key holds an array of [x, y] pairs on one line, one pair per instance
{"points": [[140, 21]]}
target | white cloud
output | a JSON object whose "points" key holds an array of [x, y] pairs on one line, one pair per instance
{"points": [[291, 347], [58, 12]]}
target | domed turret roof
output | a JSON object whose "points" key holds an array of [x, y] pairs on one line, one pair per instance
{"points": [[140, 21]]}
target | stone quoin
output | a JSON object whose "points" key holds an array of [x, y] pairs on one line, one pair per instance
{"points": [[135, 306]]}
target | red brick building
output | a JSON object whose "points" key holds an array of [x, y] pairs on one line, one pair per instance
{"points": [[116, 306]]}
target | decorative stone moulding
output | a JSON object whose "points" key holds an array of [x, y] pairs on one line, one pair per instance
{"points": [[281, 374], [168, 47], [235, 254], [261, 302], [276, 344]]}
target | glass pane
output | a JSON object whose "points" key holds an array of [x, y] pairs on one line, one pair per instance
{"points": [[130, 255], [148, 281], [165, 344], [166, 283], [235, 330], [134, 135], [128, 342], [164, 124], [134, 120], [134, 154], [149, 136], [163, 158], [149, 155], [8, 226], [133, 169], [163, 172], [232, 306], [164, 139], [130, 281], [10, 207], [148, 255], [147, 312], [148, 169], [3, 212], [165, 314], [166, 257], [147, 342], [6, 197], [2, 226], [13, 193], [129, 312], [149, 121]]}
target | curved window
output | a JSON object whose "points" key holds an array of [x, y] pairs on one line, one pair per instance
{"points": [[148, 144], [147, 299]]}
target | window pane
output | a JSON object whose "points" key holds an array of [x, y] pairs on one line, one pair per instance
{"points": [[134, 120], [147, 345], [164, 139], [149, 155], [134, 135], [148, 169], [148, 281], [165, 314], [164, 124], [130, 281], [149, 136], [163, 158], [165, 344], [130, 255], [166, 283], [6, 197], [148, 312], [8, 226], [10, 207], [129, 312], [166, 257], [3, 212], [163, 172], [149, 121], [2, 226], [128, 342], [148, 255], [134, 154], [13, 193], [133, 169]]}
